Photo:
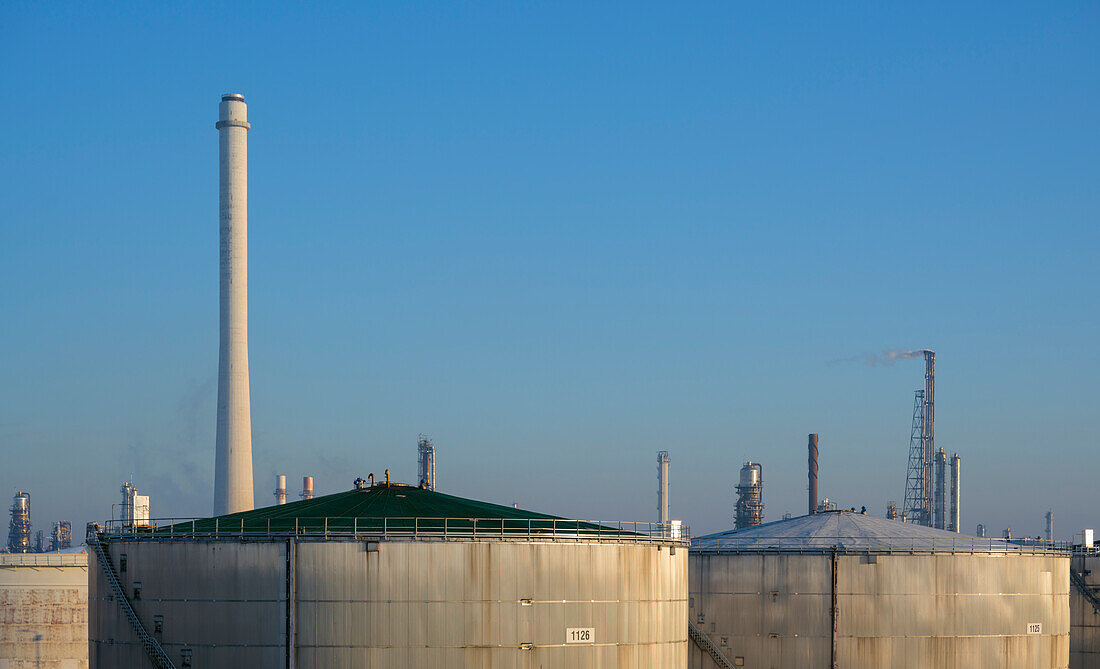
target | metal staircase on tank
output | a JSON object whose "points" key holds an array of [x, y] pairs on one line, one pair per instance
{"points": [[1079, 581], [152, 648], [707, 646]]}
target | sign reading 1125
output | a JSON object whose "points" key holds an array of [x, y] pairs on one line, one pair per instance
{"points": [[580, 635]]}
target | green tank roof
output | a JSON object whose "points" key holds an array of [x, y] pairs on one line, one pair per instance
{"points": [[385, 508], [386, 500]]}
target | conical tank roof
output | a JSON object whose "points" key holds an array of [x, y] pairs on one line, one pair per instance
{"points": [[849, 531]]}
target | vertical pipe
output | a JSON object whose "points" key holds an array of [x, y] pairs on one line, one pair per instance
{"points": [[928, 434], [233, 451], [663, 514], [291, 602], [812, 473], [1050, 525], [833, 609], [307, 487], [956, 489], [941, 486]]}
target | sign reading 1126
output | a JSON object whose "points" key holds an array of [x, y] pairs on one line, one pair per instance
{"points": [[580, 635]]}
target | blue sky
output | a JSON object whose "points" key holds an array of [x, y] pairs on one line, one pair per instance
{"points": [[556, 237]]}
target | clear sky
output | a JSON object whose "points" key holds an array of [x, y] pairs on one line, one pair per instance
{"points": [[557, 238]]}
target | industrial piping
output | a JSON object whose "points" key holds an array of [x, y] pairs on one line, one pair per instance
{"points": [[956, 464], [812, 473], [663, 515], [941, 486]]}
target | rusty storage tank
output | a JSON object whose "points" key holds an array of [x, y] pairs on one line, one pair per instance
{"points": [[1084, 608], [845, 589], [388, 576], [44, 610]]}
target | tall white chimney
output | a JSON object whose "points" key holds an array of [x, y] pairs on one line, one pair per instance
{"points": [[307, 487], [233, 461]]}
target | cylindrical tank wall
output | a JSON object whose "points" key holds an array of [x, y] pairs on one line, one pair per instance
{"points": [[400, 604], [44, 595], [949, 611]]}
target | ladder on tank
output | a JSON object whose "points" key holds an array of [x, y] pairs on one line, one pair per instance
{"points": [[152, 648], [707, 646], [1079, 581]]}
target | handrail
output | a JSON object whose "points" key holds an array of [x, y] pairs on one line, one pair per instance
{"points": [[335, 527], [703, 641], [152, 647], [822, 544]]}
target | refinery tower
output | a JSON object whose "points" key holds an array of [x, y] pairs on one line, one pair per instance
{"points": [[233, 459]]}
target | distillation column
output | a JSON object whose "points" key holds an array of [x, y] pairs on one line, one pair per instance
{"points": [[954, 524], [663, 516], [811, 473], [941, 487], [233, 461]]}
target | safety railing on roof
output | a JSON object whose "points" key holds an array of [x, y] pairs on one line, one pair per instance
{"points": [[819, 544], [514, 529], [43, 559]]}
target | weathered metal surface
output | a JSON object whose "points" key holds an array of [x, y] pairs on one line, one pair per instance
{"points": [[44, 595], [1084, 634], [484, 604], [950, 611]]}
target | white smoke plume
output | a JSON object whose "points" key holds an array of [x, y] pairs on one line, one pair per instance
{"points": [[886, 357]]}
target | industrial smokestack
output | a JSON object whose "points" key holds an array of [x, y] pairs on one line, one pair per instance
{"points": [[980, 532], [1050, 525], [956, 464], [663, 516], [941, 487], [812, 473], [928, 435], [233, 460], [307, 487], [280, 489]]}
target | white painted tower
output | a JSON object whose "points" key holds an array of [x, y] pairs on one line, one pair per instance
{"points": [[233, 461]]}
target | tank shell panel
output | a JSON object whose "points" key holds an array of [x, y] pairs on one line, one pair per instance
{"points": [[950, 611], [400, 604]]}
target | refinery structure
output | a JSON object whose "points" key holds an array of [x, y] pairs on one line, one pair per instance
{"points": [[233, 458], [390, 575]]}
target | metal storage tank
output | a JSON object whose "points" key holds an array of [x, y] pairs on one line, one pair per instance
{"points": [[1084, 609], [44, 610], [388, 576], [844, 589]]}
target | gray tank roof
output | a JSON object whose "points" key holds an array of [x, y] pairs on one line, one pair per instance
{"points": [[851, 532]]}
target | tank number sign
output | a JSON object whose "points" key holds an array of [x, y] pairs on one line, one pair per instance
{"points": [[1035, 628], [580, 635]]}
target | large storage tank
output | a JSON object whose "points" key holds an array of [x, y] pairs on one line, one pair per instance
{"points": [[390, 576], [1084, 608], [44, 610], [844, 589]]}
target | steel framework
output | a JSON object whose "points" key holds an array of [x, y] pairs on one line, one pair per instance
{"points": [[915, 507]]}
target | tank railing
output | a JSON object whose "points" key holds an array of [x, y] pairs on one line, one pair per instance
{"points": [[824, 544], [529, 529], [44, 559]]}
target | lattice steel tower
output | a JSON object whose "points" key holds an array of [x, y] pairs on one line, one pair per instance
{"points": [[915, 507]]}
